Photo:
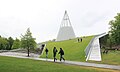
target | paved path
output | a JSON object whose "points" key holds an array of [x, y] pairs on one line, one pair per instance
{"points": [[36, 57]]}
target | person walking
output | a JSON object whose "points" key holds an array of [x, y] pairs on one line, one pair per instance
{"points": [[78, 40], [61, 52], [46, 50], [54, 53], [81, 39]]}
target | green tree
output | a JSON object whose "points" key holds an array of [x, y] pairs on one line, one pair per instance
{"points": [[10, 43], [114, 33], [3, 43], [109, 42], [27, 41], [16, 44]]}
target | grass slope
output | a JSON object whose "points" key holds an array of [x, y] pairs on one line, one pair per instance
{"points": [[73, 50], [11, 64]]}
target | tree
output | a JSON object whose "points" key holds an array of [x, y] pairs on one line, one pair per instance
{"points": [[109, 42], [27, 41], [10, 42], [16, 44], [114, 33], [3, 43]]}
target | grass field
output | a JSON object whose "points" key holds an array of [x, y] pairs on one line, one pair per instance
{"points": [[113, 57], [73, 50], [11, 64]]}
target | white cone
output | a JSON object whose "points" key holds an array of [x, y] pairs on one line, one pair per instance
{"points": [[66, 31]]}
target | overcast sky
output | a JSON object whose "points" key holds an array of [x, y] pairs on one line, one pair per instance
{"points": [[44, 17]]}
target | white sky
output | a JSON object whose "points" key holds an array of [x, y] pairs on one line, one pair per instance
{"points": [[44, 17]]}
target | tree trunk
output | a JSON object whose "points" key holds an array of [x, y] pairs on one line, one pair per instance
{"points": [[28, 52]]}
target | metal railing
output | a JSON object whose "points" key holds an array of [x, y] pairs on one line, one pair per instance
{"points": [[88, 48]]}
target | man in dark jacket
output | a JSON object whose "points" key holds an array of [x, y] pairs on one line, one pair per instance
{"points": [[54, 53], [46, 50], [61, 52]]}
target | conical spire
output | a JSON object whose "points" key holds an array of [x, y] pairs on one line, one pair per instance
{"points": [[66, 31], [66, 20]]}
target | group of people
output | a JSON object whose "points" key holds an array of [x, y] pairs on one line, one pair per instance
{"points": [[61, 52], [79, 39]]}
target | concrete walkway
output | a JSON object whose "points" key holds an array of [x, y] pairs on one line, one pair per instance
{"points": [[36, 57]]}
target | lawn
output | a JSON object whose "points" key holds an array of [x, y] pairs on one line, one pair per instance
{"points": [[74, 50], [113, 57], [11, 64]]}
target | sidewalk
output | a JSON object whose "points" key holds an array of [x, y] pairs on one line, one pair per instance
{"points": [[36, 57]]}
